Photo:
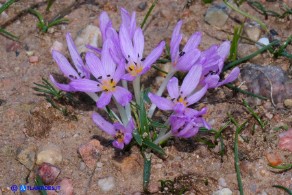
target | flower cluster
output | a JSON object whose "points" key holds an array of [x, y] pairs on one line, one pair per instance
{"points": [[106, 72]]}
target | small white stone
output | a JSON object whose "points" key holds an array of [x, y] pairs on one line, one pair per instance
{"points": [[222, 182], [263, 41], [58, 46], [224, 191], [99, 164], [106, 184], [49, 154], [90, 35]]}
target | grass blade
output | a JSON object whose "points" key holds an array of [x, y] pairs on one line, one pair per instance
{"points": [[8, 34], [148, 13], [146, 170], [283, 188], [252, 112], [6, 5], [230, 86], [137, 137], [282, 167], [39, 182], [154, 147], [234, 43]]}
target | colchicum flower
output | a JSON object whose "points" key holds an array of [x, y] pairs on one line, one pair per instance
{"points": [[78, 72], [212, 61], [186, 124], [121, 134], [107, 75], [185, 59], [132, 50], [184, 96]]}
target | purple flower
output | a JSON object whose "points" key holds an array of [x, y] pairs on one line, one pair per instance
{"points": [[132, 50], [184, 96], [107, 76], [78, 72], [129, 21], [185, 59], [213, 60], [186, 124], [121, 134]]}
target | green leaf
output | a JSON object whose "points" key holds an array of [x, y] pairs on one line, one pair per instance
{"points": [[156, 124], [234, 43], [148, 13], [8, 34], [283, 188], [137, 137], [146, 171], [39, 182], [283, 167], [6, 5], [154, 147], [144, 126]]}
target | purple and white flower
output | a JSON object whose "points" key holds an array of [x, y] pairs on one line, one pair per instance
{"points": [[80, 71], [132, 50], [183, 60], [184, 96], [107, 75], [186, 124], [121, 134]]}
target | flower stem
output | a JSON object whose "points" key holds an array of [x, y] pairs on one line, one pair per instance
{"points": [[162, 138], [160, 91], [136, 85], [93, 96], [127, 107], [122, 112]]}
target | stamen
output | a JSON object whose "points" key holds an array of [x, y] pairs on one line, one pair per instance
{"points": [[131, 69], [127, 61], [128, 56], [100, 77], [108, 75], [135, 63], [182, 53], [142, 59]]}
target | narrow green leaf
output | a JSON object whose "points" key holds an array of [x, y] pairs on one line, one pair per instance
{"points": [[8, 34], [49, 4], [137, 137], [39, 182], [156, 124], [148, 13], [144, 126], [6, 5], [252, 112], [154, 147], [234, 88], [285, 167], [146, 171], [38, 15], [283, 188], [234, 43]]}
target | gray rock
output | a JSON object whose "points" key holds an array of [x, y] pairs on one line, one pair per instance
{"points": [[222, 182], [224, 191], [27, 156], [262, 42], [268, 81], [142, 6], [50, 154], [288, 103], [89, 35], [217, 14], [106, 184], [252, 30]]}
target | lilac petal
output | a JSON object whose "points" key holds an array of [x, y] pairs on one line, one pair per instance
{"points": [[120, 71], [63, 87], [109, 65], [133, 24], [130, 126], [128, 77], [189, 112], [125, 42], [127, 138], [223, 50], [85, 85], [179, 108], [94, 49], [118, 145], [154, 55], [172, 87], [185, 130], [190, 133], [126, 18], [138, 41], [193, 41], [104, 99], [212, 81], [160, 102], [176, 123], [104, 23], [94, 65], [122, 95], [231, 77], [185, 62], [191, 81], [197, 96], [103, 124], [174, 49], [176, 32], [77, 60], [64, 65]]}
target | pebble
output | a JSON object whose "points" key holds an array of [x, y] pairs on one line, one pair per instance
{"points": [[89, 35], [90, 152], [142, 6], [217, 14], [252, 30], [224, 191], [288, 103], [66, 187], [57, 46], [274, 158], [29, 53], [262, 41], [106, 184], [50, 154], [27, 156], [33, 59], [222, 182], [258, 80], [82, 166], [285, 141], [48, 173]]}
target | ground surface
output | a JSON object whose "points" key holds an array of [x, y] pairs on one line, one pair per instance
{"points": [[27, 120]]}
